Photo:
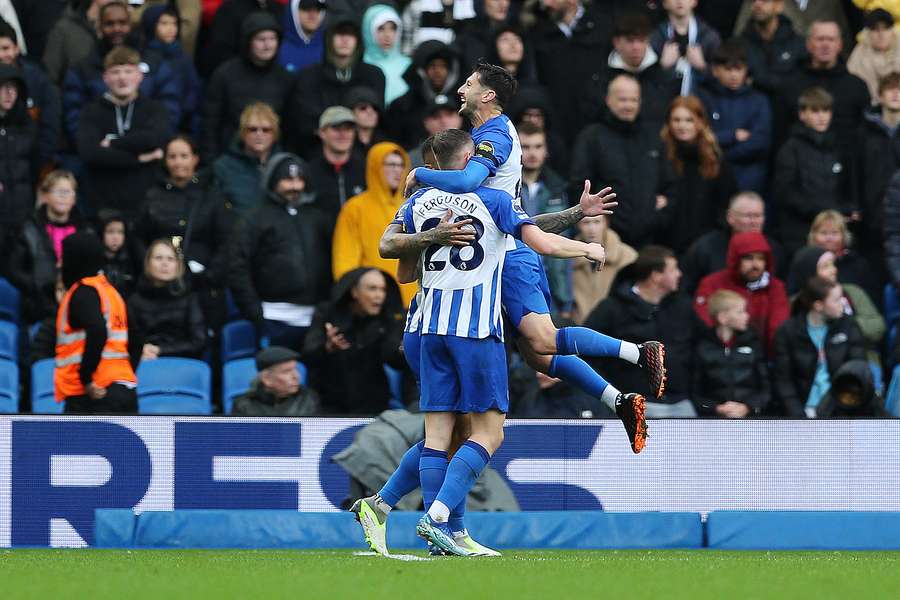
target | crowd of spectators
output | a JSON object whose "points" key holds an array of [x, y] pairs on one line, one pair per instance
{"points": [[241, 158]]}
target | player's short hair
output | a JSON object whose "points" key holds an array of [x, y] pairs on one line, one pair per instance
{"points": [[444, 146], [121, 55], [890, 81], [730, 54], [633, 24], [651, 259], [723, 300], [815, 98], [497, 79], [262, 112], [529, 128]]}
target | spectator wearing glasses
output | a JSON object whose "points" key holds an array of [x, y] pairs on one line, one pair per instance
{"points": [[363, 218], [237, 172]]}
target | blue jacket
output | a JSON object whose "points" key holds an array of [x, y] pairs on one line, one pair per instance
{"points": [[84, 82], [296, 52], [748, 109], [186, 81], [44, 104]]}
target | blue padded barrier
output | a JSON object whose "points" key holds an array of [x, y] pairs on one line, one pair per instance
{"points": [[787, 530], [291, 529]]}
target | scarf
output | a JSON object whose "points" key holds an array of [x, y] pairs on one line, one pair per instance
{"points": [[760, 284], [683, 67]]}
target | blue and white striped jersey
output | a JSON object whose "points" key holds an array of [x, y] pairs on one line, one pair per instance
{"points": [[497, 147], [460, 293]]}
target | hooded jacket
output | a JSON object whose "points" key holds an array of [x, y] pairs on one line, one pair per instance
{"points": [[857, 303], [535, 96], [629, 158], [852, 394], [168, 316], [767, 305], [353, 381], [708, 253], [239, 82], [658, 87], [298, 51], [18, 155], [224, 40], [744, 108], [363, 218], [771, 62], [393, 63], [812, 174], [323, 85], [736, 372], [280, 253]]}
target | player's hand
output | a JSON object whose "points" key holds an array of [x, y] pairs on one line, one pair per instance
{"points": [[670, 55], [410, 182], [94, 392], [597, 255], [334, 339], [601, 203], [447, 233]]}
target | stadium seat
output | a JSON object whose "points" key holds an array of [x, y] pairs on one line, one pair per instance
{"points": [[9, 341], [236, 378], [395, 381], [233, 313], [892, 398], [174, 386], [42, 400], [238, 340], [9, 387], [9, 301]]}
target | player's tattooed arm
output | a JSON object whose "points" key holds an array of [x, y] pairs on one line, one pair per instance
{"points": [[590, 205], [396, 244]]}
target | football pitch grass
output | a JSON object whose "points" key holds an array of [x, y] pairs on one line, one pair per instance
{"points": [[298, 574]]}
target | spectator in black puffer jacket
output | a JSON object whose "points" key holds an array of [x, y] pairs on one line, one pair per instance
{"points": [[625, 153], [185, 207], [773, 47], [163, 309], [37, 253], [254, 76], [811, 173], [280, 260], [730, 376], [811, 346], [18, 157], [350, 340], [123, 264]]}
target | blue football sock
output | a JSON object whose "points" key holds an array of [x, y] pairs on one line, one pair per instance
{"points": [[586, 342], [457, 516], [572, 369], [464, 469], [432, 469], [405, 479]]}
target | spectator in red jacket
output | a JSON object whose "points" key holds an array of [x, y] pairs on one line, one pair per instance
{"points": [[749, 273]]}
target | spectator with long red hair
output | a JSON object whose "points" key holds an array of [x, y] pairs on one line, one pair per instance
{"points": [[703, 182]]}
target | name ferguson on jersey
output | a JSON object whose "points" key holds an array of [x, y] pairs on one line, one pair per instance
{"points": [[448, 200]]}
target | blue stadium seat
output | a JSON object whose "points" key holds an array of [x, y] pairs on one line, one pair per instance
{"points": [[9, 341], [42, 400], [238, 340], [236, 378], [233, 313], [174, 386], [9, 301], [892, 398], [9, 387], [395, 381]]}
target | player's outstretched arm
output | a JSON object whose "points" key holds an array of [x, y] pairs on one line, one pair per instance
{"points": [[590, 205], [456, 182], [551, 244], [395, 243]]}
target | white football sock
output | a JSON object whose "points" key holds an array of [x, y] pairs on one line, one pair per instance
{"points": [[629, 352], [609, 396], [439, 511]]}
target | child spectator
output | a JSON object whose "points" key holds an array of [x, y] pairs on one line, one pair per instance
{"points": [[703, 182], [162, 308], [37, 254], [237, 172], [588, 286], [811, 174], [741, 117], [877, 53], [730, 377], [120, 137], [381, 40], [810, 347], [122, 265], [684, 43], [162, 47]]}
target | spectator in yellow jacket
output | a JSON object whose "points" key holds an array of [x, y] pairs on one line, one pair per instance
{"points": [[364, 217]]}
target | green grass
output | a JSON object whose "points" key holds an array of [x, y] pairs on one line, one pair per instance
{"points": [[300, 575]]}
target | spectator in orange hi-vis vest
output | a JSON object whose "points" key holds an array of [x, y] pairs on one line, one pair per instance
{"points": [[364, 217], [95, 356]]}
